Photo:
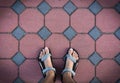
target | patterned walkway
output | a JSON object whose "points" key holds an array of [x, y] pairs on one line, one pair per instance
{"points": [[92, 27]]}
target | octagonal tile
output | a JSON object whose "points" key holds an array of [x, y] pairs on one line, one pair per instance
{"points": [[84, 72], [104, 22], [31, 20], [7, 69], [57, 20], [108, 46], [84, 44], [30, 71], [31, 3], [107, 3], [82, 3], [6, 2], [30, 45], [58, 45], [57, 3], [85, 24], [8, 46], [6, 15], [108, 71]]}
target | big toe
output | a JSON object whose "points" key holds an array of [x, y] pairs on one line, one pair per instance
{"points": [[70, 51], [46, 50]]}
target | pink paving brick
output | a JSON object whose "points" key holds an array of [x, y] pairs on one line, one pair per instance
{"points": [[84, 44], [57, 3], [108, 20], [57, 20], [30, 71], [8, 71], [85, 72], [6, 2], [82, 3], [108, 71], [8, 46], [108, 46], [6, 15], [82, 20], [59, 46], [30, 45], [31, 20], [31, 3], [108, 3]]}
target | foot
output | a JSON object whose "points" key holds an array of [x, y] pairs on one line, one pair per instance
{"points": [[47, 62], [69, 63]]}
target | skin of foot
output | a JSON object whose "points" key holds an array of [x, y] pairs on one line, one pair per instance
{"points": [[47, 62], [69, 63]]}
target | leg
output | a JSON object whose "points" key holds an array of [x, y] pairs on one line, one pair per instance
{"points": [[67, 76], [49, 75]]}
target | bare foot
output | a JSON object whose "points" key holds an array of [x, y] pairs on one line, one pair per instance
{"points": [[47, 62], [69, 63]]}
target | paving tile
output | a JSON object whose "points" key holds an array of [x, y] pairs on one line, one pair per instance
{"points": [[57, 3], [107, 3], [85, 72], [95, 58], [117, 7], [18, 58], [108, 46], [6, 15], [18, 7], [95, 8], [44, 33], [58, 45], [57, 20], [84, 25], [84, 44], [6, 2], [69, 33], [18, 33], [108, 71], [30, 71], [7, 69], [104, 22], [9, 46], [117, 58], [95, 33], [117, 33], [69, 7], [95, 80], [31, 3], [30, 45], [31, 20], [18, 80], [82, 3], [44, 7]]}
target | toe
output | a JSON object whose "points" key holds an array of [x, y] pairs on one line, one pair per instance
{"points": [[46, 50], [75, 55], [70, 51], [43, 51]]}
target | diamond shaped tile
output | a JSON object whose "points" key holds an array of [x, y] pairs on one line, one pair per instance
{"points": [[117, 7], [44, 7], [69, 7], [117, 33], [69, 33], [18, 33], [18, 58], [95, 33], [117, 58], [95, 8], [18, 80], [44, 33], [95, 58], [95, 80], [18, 7]]}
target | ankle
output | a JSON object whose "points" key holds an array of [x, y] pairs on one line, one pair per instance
{"points": [[50, 73], [67, 74]]}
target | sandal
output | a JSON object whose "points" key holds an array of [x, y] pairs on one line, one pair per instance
{"points": [[42, 65], [74, 65]]}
